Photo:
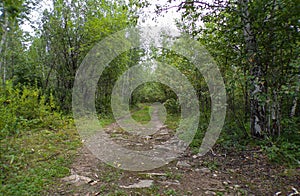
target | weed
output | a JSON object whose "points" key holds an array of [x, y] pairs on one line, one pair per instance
{"points": [[212, 165], [173, 176], [170, 192]]}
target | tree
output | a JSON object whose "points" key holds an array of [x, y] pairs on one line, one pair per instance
{"points": [[69, 32], [256, 38], [12, 13]]}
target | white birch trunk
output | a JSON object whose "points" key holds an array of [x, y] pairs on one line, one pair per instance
{"points": [[257, 110], [2, 47], [295, 101]]}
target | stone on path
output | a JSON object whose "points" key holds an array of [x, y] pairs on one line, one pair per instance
{"points": [[183, 164], [168, 183], [77, 179], [203, 170], [140, 184], [154, 174], [210, 193]]}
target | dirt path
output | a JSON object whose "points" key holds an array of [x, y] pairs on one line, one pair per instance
{"points": [[217, 173]]}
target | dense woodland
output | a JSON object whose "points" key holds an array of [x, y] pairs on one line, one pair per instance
{"points": [[254, 42]]}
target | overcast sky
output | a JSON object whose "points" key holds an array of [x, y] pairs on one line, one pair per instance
{"points": [[36, 15], [166, 19]]}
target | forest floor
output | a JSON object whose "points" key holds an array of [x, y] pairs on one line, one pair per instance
{"points": [[219, 172]]}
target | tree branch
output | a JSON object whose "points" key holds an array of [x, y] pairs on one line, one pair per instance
{"points": [[201, 4]]}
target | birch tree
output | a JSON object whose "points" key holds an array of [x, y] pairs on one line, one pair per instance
{"points": [[258, 38]]}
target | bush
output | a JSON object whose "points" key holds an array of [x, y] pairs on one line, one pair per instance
{"points": [[283, 152], [25, 108], [285, 149], [36, 142], [172, 105]]}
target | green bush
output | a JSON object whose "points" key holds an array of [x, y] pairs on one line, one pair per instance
{"points": [[285, 149], [25, 108], [36, 142], [283, 152], [172, 105]]}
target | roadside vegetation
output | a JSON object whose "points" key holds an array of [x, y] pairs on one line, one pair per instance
{"points": [[254, 43]]}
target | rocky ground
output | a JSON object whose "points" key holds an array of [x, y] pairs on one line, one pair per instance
{"points": [[219, 172]]}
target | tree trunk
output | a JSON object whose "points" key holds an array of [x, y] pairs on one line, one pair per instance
{"points": [[257, 89], [246, 97], [295, 101], [2, 47], [275, 113], [293, 111]]}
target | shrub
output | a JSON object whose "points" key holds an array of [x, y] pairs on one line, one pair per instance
{"points": [[172, 105], [25, 108]]}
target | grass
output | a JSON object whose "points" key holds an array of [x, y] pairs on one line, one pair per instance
{"points": [[32, 160], [142, 115], [173, 176], [105, 120], [170, 192], [172, 121]]}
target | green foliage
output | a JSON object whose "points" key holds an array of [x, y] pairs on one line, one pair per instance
{"points": [[35, 136], [234, 136], [68, 33], [274, 30], [105, 120], [34, 139], [172, 120], [285, 149], [283, 152], [25, 108], [150, 92], [110, 76], [173, 175], [170, 192], [36, 142], [172, 105]]}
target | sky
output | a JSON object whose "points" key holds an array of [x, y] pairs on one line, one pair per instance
{"points": [[166, 19], [35, 16]]}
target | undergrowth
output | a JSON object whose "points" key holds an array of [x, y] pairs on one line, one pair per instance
{"points": [[36, 141], [283, 149]]}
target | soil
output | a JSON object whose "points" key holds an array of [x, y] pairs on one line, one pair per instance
{"points": [[219, 172]]}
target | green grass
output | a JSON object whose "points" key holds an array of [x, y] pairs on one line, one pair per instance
{"points": [[33, 160], [172, 121], [36, 141], [173, 176], [106, 120], [142, 115]]}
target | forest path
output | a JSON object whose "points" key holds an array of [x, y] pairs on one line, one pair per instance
{"points": [[217, 173]]}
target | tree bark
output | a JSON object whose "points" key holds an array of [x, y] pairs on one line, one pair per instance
{"points": [[295, 101], [2, 46], [275, 113], [257, 89]]}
